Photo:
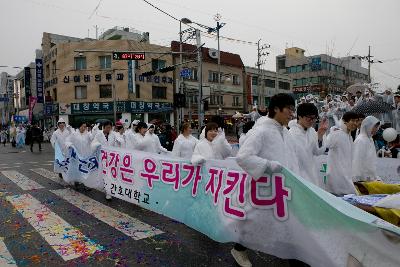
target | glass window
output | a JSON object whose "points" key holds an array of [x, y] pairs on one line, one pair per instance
{"points": [[137, 90], [54, 95], [254, 80], [80, 92], [269, 83], [324, 65], [213, 76], [293, 69], [159, 92], [157, 64], [284, 85], [105, 62], [294, 82], [53, 67], [299, 68], [235, 80], [255, 100], [235, 101], [105, 91], [80, 63], [314, 80]]}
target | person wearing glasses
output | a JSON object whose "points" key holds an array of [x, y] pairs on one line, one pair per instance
{"points": [[308, 142], [268, 147]]}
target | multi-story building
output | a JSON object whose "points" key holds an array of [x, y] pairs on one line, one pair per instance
{"points": [[320, 74], [261, 85], [221, 96], [80, 75], [124, 33], [6, 97]]}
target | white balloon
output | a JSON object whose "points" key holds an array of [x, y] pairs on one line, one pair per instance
{"points": [[389, 134]]}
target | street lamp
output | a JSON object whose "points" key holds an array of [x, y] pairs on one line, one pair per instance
{"points": [[184, 21]]}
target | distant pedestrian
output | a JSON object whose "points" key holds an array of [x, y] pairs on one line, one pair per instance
{"points": [[37, 136]]}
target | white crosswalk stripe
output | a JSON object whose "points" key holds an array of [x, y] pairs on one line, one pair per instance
{"points": [[120, 221], [21, 180], [66, 240], [5, 257], [49, 175]]}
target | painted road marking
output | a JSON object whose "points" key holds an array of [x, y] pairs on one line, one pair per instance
{"points": [[130, 226], [21, 180], [49, 175], [5, 257], [66, 240]]}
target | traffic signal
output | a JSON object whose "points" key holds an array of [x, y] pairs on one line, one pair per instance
{"points": [[179, 100], [167, 69], [148, 73], [205, 105]]}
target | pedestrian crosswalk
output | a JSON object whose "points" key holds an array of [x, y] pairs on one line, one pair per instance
{"points": [[21, 180], [66, 239], [120, 221], [5, 257]]}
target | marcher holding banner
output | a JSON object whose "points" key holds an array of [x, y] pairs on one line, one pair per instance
{"points": [[106, 137], [60, 136], [307, 140], [364, 155], [267, 148], [340, 156], [185, 143], [138, 140], [80, 140], [213, 146], [154, 142], [120, 135]]}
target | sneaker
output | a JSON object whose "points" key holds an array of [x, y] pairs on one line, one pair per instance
{"points": [[241, 258], [108, 197]]}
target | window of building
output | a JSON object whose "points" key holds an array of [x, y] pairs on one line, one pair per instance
{"points": [[105, 91], [137, 90], [55, 94], [269, 83], [53, 67], [235, 101], [213, 76], [254, 80], [80, 63], [284, 85], [47, 71], [324, 65], [193, 75], [293, 69], [80, 92], [105, 62], [159, 92], [235, 80], [294, 82], [255, 100], [314, 80], [299, 68], [157, 64]]}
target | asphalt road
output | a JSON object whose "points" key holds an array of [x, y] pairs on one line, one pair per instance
{"points": [[42, 227]]}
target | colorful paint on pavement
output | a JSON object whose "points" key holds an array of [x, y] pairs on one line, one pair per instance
{"points": [[5, 257], [65, 239], [49, 175], [120, 221], [21, 180]]}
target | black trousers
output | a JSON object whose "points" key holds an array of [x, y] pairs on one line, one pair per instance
{"points": [[36, 140], [239, 247]]}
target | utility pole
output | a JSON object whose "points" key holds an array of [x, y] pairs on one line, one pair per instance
{"points": [[369, 64], [261, 58], [200, 76], [97, 31]]}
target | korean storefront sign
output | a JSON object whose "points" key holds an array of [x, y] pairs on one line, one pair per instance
{"points": [[122, 106]]}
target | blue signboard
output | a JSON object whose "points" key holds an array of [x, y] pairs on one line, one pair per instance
{"points": [[122, 106], [131, 74], [27, 82], [20, 119], [186, 73], [48, 110], [4, 99], [39, 80]]}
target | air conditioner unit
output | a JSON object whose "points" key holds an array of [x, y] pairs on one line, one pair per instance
{"points": [[213, 53]]}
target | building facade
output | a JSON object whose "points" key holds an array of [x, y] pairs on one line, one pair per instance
{"points": [[80, 76], [261, 85], [6, 97], [320, 74], [221, 96]]}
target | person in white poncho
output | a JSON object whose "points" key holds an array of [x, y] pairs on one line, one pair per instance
{"points": [[80, 139], [364, 155], [213, 146], [185, 143], [307, 141], [60, 136], [154, 145], [340, 155]]}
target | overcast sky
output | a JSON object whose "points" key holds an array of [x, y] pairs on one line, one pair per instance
{"points": [[337, 27]]}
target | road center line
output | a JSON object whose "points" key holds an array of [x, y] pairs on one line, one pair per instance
{"points": [[120, 221]]}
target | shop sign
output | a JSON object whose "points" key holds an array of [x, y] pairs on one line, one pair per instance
{"points": [[122, 106]]}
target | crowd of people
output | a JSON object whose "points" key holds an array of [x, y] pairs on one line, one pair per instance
{"points": [[289, 134]]}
